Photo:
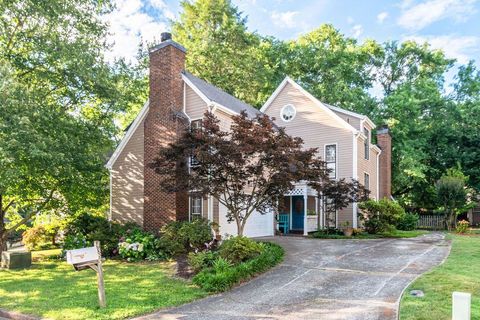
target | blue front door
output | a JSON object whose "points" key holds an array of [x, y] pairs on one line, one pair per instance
{"points": [[297, 212]]}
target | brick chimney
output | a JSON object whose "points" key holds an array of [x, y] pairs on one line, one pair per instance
{"points": [[161, 127], [384, 141]]}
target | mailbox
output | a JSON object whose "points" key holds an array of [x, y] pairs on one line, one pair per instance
{"points": [[84, 257]]}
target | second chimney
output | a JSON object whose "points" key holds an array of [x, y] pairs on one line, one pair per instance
{"points": [[384, 141]]}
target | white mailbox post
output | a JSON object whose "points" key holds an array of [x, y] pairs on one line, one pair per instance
{"points": [[91, 257], [461, 306]]}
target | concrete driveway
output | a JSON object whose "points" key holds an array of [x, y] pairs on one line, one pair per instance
{"points": [[325, 279]]}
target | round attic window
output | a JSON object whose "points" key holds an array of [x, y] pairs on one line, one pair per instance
{"points": [[288, 113]]}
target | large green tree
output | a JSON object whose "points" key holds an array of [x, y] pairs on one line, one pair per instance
{"points": [[58, 99], [335, 68], [223, 52]]}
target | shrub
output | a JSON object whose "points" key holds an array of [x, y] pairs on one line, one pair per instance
{"points": [[93, 227], [34, 237], [408, 222], [328, 233], [190, 235], [239, 249], [139, 245], [380, 216], [75, 241], [222, 275], [202, 260], [462, 226]]}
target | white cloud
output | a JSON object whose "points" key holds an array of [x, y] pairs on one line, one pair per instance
{"points": [[285, 19], [456, 47], [418, 16], [129, 24], [357, 30], [350, 20], [382, 16]]}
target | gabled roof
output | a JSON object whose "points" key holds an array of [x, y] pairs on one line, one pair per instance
{"points": [[214, 95], [352, 114], [317, 102]]}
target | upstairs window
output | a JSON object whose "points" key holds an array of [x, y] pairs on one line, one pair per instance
{"points": [[195, 125], [195, 207], [366, 144], [366, 181], [331, 160]]}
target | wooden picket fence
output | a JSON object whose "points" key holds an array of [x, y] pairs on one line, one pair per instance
{"points": [[427, 221]]}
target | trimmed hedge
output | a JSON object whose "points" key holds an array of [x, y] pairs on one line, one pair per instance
{"points": [[223, 278]]}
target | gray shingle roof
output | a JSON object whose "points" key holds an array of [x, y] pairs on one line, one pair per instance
{"points": [[221, 97]]}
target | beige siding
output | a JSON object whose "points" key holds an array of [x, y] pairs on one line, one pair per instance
{"points": [[225, 120], [353, 121], [195, 107], [315, 126], [367, 166], [127, 181]]}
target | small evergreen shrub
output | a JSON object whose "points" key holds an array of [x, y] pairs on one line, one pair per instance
{"points": [[191, 236], [239, 249], [380, 216], [408, 222], [94, 227], [202, 260]]}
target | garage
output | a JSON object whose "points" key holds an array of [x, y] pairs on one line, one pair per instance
{"points": [[258, 225]]}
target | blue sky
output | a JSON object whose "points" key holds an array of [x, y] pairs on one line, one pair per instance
{"points": [[451, 25]]}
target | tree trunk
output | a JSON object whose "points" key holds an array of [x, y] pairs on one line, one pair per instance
{"points": [[240, 227], [3, 241]]}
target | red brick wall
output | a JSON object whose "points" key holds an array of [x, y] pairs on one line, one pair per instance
{"points": [[384, 141], [162, 127]]}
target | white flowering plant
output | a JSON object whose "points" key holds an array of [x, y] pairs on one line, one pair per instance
{"points": [[139, 245]]}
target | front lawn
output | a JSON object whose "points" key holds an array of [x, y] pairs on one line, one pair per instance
{"points": [[364, 235], [459, 273], [52, 289]]}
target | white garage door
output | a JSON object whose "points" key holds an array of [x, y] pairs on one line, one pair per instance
{"points": [[258, 225]]}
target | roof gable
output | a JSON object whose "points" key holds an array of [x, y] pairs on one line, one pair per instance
{"points": [[315, 101]]}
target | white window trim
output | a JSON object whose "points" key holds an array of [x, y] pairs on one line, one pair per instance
{"points": [[286, 106], [368, 141], [190, 207], [336, 156], [369, 180]]}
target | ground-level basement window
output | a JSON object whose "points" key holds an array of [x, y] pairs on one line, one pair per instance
{"points": [[195, 207]]}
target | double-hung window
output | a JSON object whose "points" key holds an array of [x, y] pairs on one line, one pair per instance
{"points": [[366, 144], [366, 181], [195, 207], [331, 160], [195, 125]]}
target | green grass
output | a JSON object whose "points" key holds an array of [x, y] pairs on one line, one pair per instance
{"points": [[364, 235], [52, 289], [459, 273]]}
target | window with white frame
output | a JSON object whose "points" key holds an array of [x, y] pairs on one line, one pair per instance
{"points": [[366, 144], [195, 125], [288, 112], [331, 160], [366, 181], [195, 207]]}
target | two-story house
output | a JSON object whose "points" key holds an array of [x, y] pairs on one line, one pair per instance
{"points": [[179, 99]]}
